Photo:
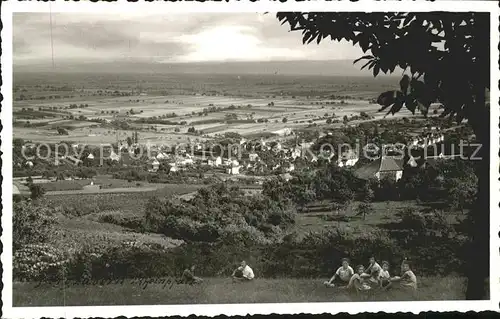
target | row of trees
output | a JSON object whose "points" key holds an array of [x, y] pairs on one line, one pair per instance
{"points": [[451, 182]]}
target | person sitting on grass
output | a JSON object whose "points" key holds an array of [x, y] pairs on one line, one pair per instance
{"points": [[358, 280], [373, 279], [384, 277], [243, 273], [408, 278], [341, 276], [373, 267], [188, 276]]}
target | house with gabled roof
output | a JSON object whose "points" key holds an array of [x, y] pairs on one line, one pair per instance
{"points": [[347, 159], [295, 152], [214, 161], [153, 165], [173, 167], [253, 157], [114, 157], [412, 162], [383, 167], [161, 156], [234, 167]]}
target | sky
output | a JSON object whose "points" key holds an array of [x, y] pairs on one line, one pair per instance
{"points": [[175, 38]]}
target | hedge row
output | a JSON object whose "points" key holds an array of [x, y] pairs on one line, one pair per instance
{"points": [[313, 257]]}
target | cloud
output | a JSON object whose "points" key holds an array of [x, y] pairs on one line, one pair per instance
{"points": [[233, 43], [180, 37]]}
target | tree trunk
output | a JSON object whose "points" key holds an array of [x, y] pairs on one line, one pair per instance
{"points": [[478, 254]]}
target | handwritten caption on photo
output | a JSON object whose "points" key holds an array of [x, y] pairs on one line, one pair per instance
{"points": [[164, 282]]}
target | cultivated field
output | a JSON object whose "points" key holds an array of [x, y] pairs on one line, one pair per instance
{"points": [[296, 112], [252, 105], [118, 201], [97, 136], [106, 182]]}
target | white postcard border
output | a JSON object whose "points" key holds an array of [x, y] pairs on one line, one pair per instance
{"points": [[243, 309]]}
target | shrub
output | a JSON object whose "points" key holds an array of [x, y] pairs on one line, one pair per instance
{"points": [[132, 222], [243, 236], [419, 225], [85, 208], [40, 262], [206, 216], [31, 223], [36, 191], [16, 198], [316, 254]]}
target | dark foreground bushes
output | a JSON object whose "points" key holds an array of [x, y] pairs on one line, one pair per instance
{"points": [[315, 256]]}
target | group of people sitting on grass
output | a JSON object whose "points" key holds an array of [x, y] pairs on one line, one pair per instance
{"points": [[373, 276]]}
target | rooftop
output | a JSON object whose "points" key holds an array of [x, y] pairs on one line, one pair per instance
{"points": [[382, 164]]}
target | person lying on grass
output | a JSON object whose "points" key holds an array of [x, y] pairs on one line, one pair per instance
{"points": [[359, 281], [243, 273], [384, 277], [341, 276], [188, 276], [408, 278]]}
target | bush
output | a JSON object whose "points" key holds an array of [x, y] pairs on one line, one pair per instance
{"points": [[40, 262], [132, 222], [423, 225], [16, 198], [31, 223], [315, 255], [208, 214], [36, 191], [85, 208]]}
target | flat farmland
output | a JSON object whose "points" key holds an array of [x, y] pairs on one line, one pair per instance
{"points": [[177, 98], [96, 136], [298, 113], [107, 182], [163, 80]]}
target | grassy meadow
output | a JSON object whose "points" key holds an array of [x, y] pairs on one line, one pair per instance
{"points": [[319, 216], [222, 290]]}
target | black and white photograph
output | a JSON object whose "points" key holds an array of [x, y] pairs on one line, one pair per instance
{"points": [[166, 158]]}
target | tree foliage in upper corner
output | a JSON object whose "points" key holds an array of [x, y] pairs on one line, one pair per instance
{"points": [[446, 58], [446, 55]]}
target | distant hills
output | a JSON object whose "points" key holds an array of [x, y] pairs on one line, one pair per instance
{"points": [[322, 68]]}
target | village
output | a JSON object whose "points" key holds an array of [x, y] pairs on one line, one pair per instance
{"points": [[234, 157]]}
